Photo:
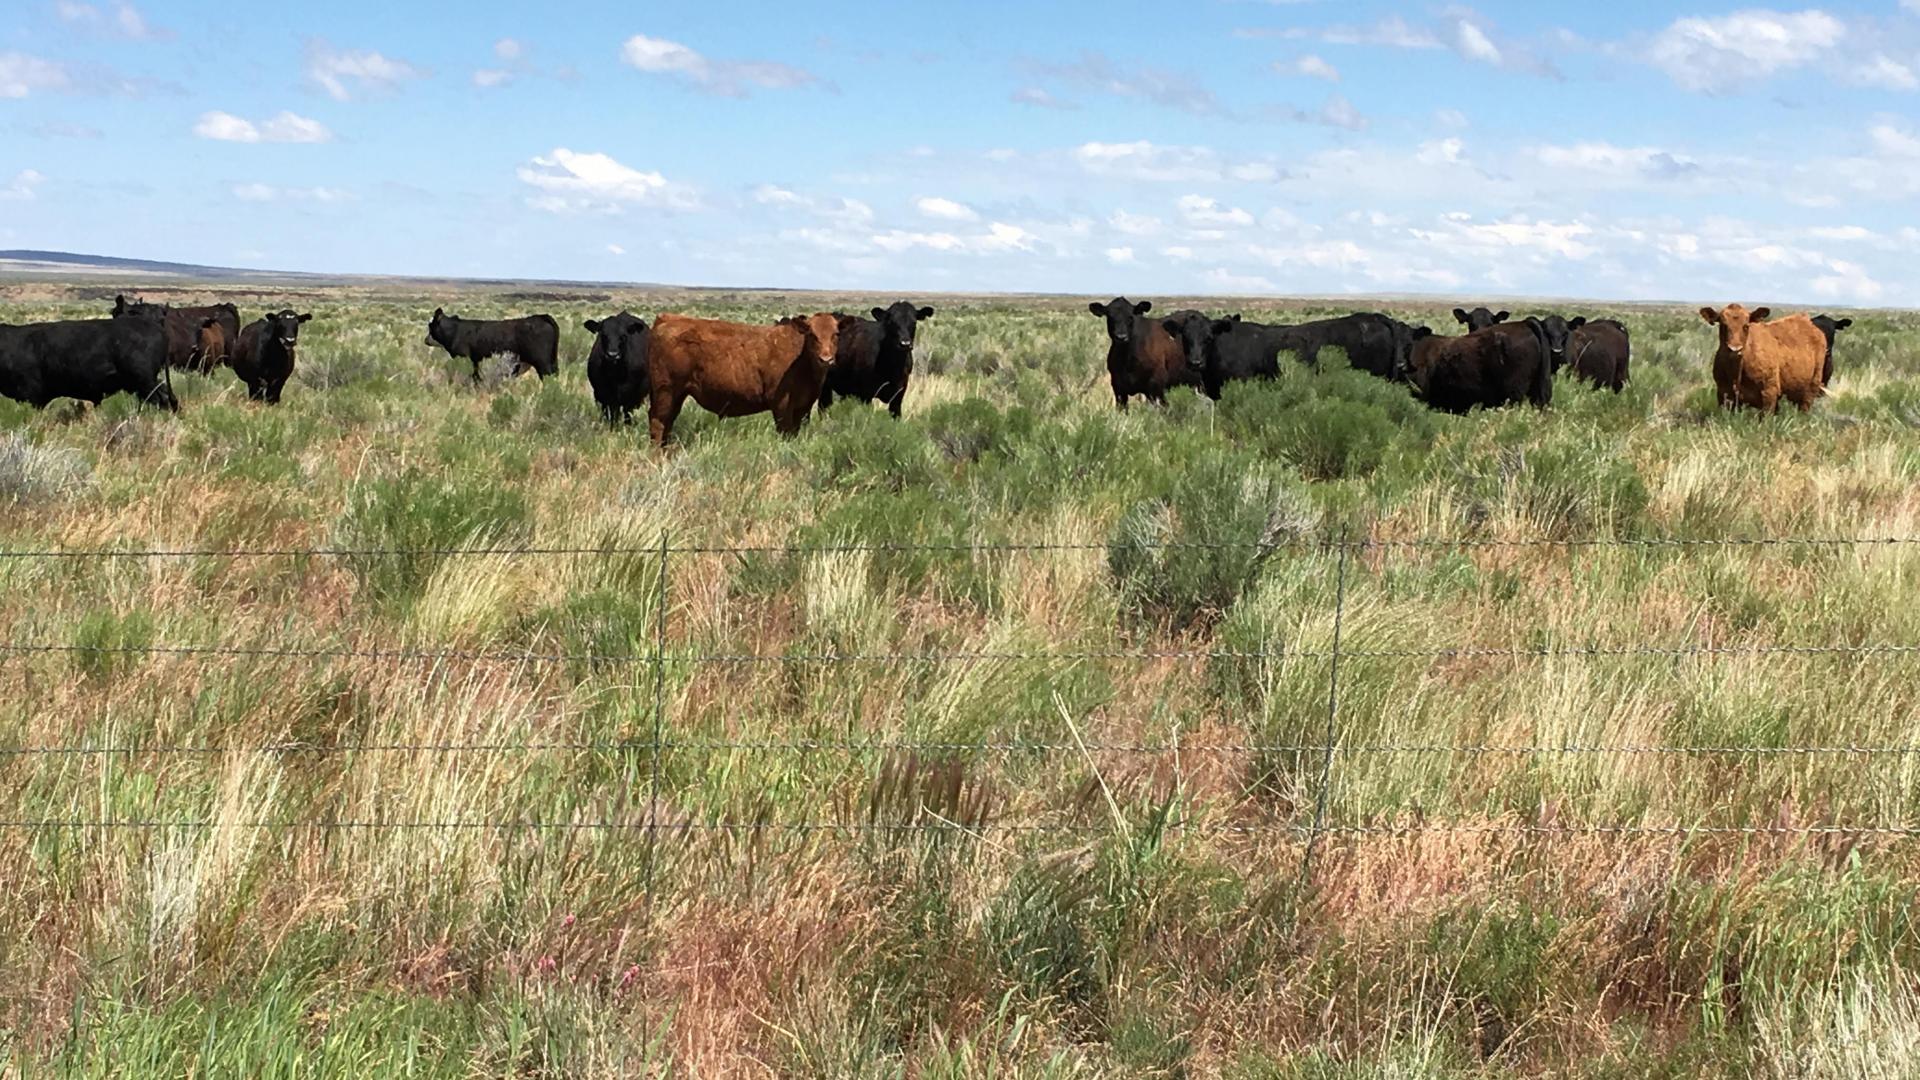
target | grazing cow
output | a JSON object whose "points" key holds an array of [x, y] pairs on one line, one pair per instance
{"points": [[1599, 352], [875, 357], [1479, 318], [617, 366], [1220, 351], [264, 357], [534, 341], [733, 369], [1488, 368], [188, 348], [1760, 362], [1141, 358], [86, 359], [1829, 326]]}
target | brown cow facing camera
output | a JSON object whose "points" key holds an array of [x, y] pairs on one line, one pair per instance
{"points": [[734, 369], [1760, 362]]}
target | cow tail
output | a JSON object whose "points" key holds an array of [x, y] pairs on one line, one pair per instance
{"points": [[1543, 371]]}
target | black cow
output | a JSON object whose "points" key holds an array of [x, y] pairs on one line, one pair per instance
{"points": [[617, 366], [264, 356], [86, 359], [1558, 333], [534, 341], [1225, 350], [1479, 318], [1141, 358], [1829, 326], [1491, 367], [1599, 352], [187, 348], [874, 358]]}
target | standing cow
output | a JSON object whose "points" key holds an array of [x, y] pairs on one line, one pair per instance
{"points": [[1142, 357], [1760, 362], [874, 360], [734, 369], [617, 366], [1829, 326], [189, 347], [1479, 318], [264, 357], [86, 359], [1487, 368], [533, 341], [1599, 352]]}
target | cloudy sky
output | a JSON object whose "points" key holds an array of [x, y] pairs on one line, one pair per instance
{"points": [[1627, 150]]}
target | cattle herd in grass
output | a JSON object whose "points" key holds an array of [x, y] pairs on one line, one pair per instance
{"points": [[803, 362]]}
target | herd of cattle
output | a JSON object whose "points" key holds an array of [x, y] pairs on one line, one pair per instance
{"points": [[798, 363]]}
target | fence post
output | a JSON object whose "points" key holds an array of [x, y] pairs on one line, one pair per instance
{"points": [[1333, 714], [659, 719]]}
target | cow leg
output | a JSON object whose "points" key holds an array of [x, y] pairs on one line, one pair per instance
{"points": [[899, 398], [1120, 399], [826, 399], [664, 411], [162, 395], [273, 391]]}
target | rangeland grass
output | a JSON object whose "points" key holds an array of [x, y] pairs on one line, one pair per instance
{"points": [[368, 865]]}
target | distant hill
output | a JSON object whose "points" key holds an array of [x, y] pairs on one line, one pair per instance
{"points": [[29, 264]]}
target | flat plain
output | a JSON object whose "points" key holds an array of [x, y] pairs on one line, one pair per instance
{"points": [[988, 742]]}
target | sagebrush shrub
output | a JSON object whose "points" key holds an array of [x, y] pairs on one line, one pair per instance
{"points": [[402, 523]]}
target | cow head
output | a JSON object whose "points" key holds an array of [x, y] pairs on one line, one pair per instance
{"points": [[1734, 322], [1479, 318], [618, 337], [1559, 332], [821, 333], [899, 323], [1410, 368], [120, 304], [1119, 313], [1830, 326], [1196, 334], [440, 329], [284, 328]]}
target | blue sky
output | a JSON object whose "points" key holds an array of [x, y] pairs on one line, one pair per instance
{"points": [[1627, 150]]}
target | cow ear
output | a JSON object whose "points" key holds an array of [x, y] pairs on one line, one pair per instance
{"points": [[924, 313], [1576, 322], [1143, 307], [437, 313], [1223, 326], [1760, 314], [879, 314], [1097, 308], [1707, 314], [1460, 316], [1421, 332], [308, 317], [592, 325], [1502, 316], [1843, 324], [1233, 318]]}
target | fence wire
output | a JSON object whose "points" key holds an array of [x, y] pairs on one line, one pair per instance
{"points": [[657, 820]]}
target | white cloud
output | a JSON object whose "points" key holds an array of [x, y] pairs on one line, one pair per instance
{"points": [[1121, 256], [21, 75], [1135, 224], [23, 186], [1308, 66], [1143, 160], [616, 249], [843, 211], [999, 238], [1440, 152], [1883, 72], [1605, 160], [343, 73], [1890, 141], [1204, 212], [728, 78], [571, 180], [1849, 282], [269, 193], [1178, 253], [1226, 281], [124, 20], [286, 127], [1254, 172], [1716, 55], [1567, 240], [509, 49], [945, 209], [1450, 118], [491, 77], [1459, 30], [1040, 98]]}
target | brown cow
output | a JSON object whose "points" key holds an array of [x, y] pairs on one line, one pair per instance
{"points": [[1760, 362], [733, 369], [1486, 368]]}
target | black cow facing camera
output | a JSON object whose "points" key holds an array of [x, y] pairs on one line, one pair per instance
{"points": [[874, 358], [617, 366], [264, 357], [1479, 318]]}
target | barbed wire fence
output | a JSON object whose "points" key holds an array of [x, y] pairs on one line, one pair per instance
{"points": [[658, 820]]}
